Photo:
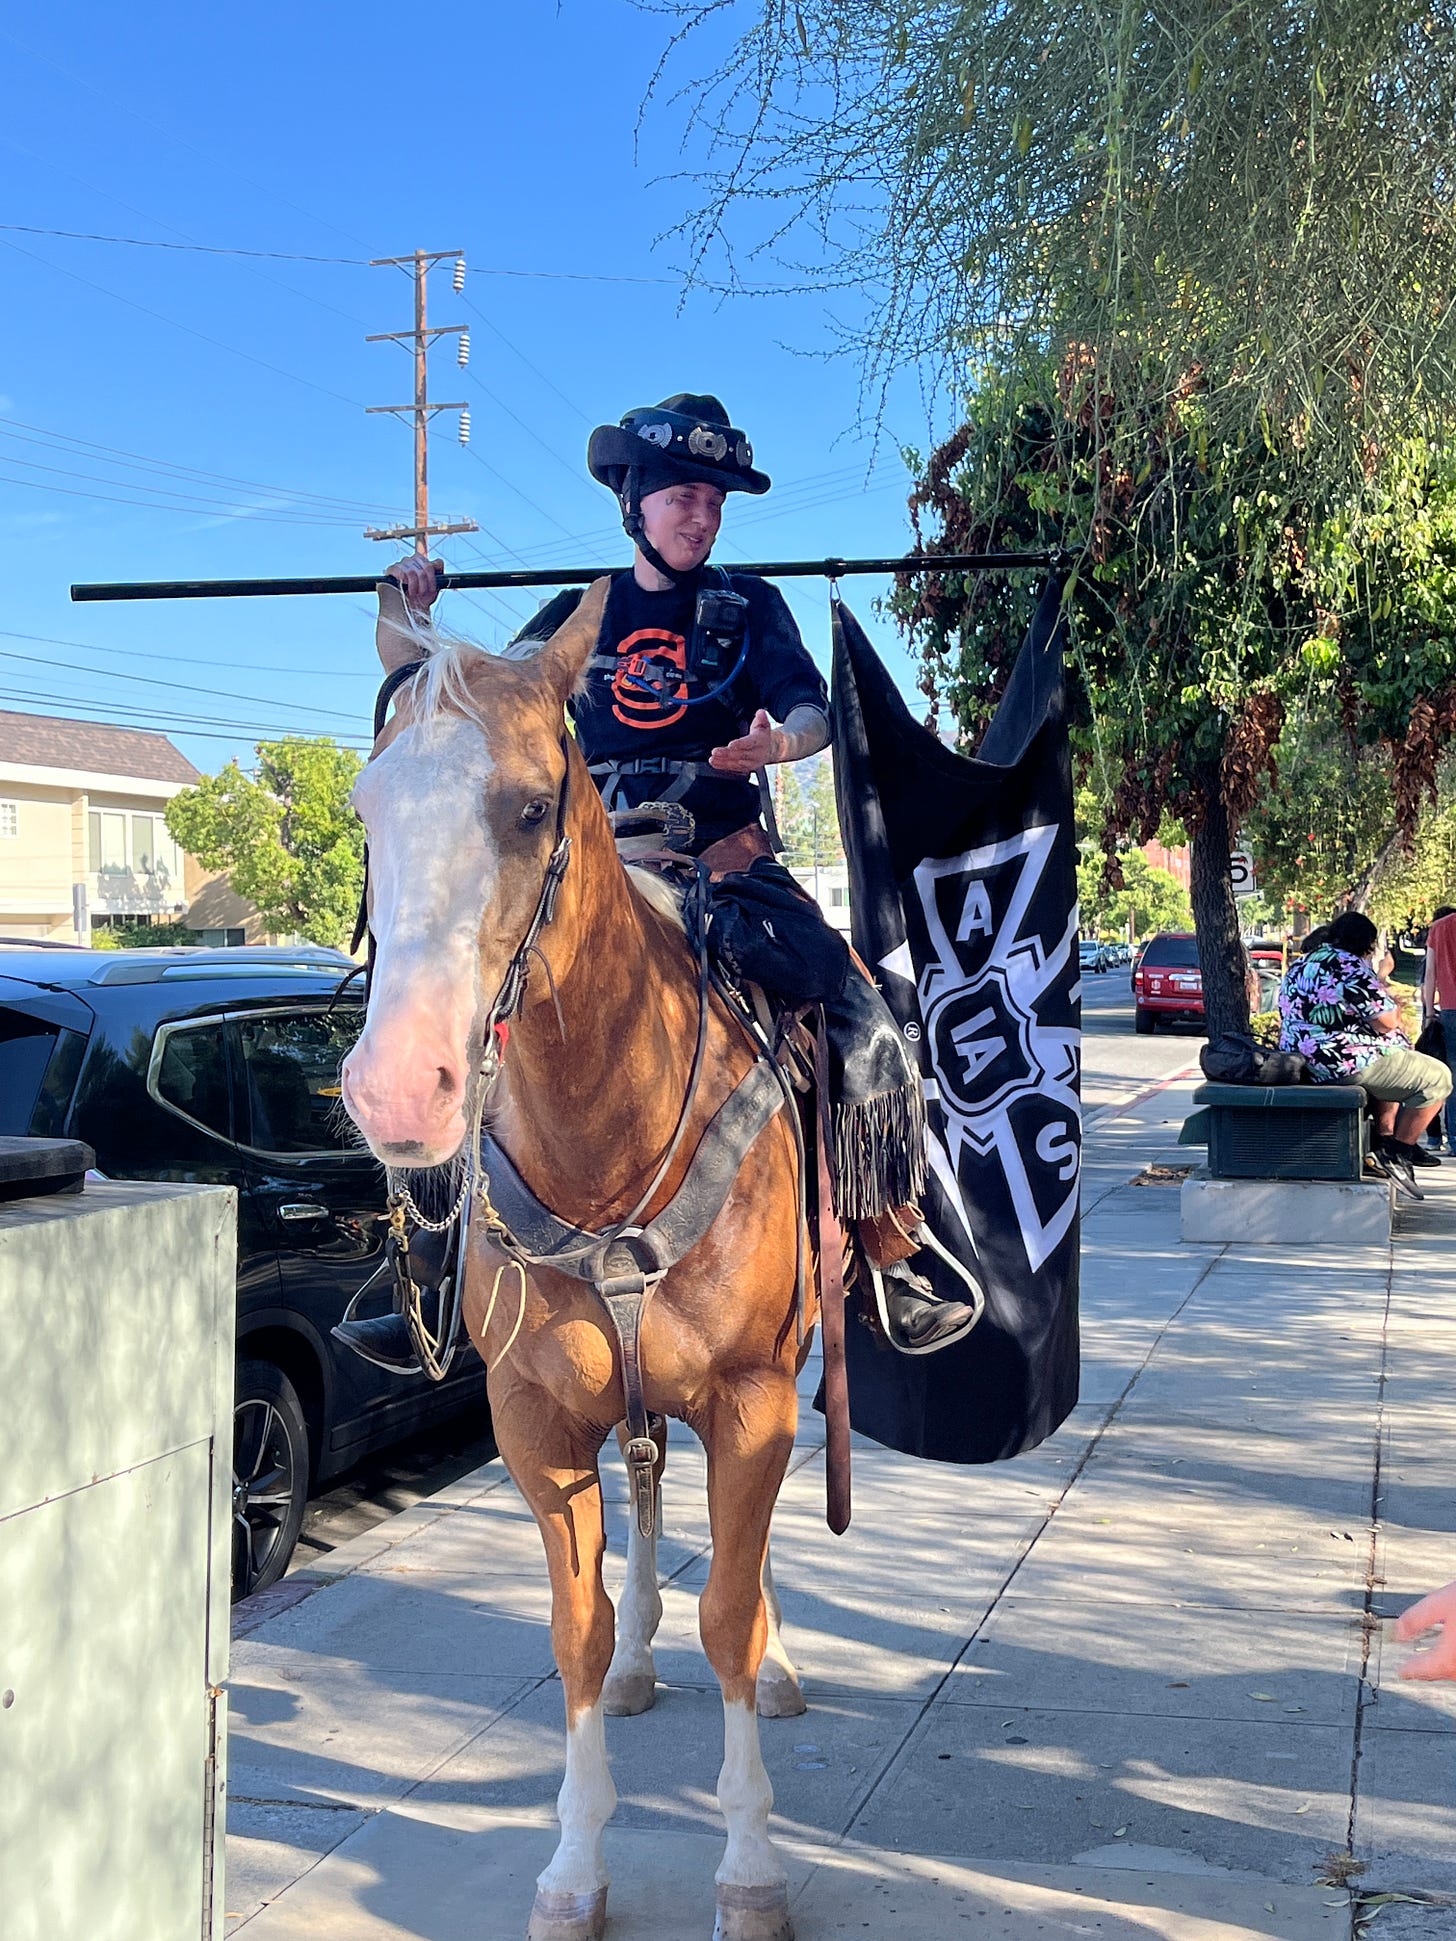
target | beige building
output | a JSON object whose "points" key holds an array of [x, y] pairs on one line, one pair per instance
{"points": [[83, 840]]}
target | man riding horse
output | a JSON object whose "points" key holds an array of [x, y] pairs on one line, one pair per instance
{"points": [[692, 666]]}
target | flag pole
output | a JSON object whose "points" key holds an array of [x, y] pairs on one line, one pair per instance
{"points": [[781, 569]]}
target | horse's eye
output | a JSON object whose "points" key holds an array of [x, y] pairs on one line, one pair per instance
{"points": [[534, 813]]}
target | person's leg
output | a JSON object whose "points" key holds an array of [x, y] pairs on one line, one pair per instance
{"points": [[1418, 1086], [1448, 1031]]}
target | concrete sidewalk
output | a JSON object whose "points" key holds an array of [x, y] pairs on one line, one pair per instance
{"points": [[1126, 1686]]}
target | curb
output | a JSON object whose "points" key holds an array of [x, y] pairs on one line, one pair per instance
{"points": [[1120, 1106], [252, 1613]]}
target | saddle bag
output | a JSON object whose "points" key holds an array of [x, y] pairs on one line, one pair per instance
{"points": [[763, 929]]}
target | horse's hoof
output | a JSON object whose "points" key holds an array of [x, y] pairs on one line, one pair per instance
{"points": [[779, 1695], [753, 1914], [629, 1693], [568, 1917]]}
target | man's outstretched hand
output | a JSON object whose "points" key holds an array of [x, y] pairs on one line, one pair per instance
{"points": [[763, 745], [1436, 1612]]}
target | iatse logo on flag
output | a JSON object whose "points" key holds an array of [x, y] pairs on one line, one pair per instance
{"points": [[993, 997]]}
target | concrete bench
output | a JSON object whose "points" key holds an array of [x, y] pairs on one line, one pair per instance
{"points": [[1285, 1164]]}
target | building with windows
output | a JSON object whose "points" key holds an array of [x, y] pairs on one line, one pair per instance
{"points": [[829, 887], [83, 840]]}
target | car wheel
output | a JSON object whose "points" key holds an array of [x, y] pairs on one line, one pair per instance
{"points": [[270, 1475], [1143, 1022]]}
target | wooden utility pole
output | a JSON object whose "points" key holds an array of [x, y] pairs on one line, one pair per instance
{"points": [[422, 411]]}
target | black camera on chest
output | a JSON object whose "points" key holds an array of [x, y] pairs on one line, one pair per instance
{"points": [[720, 634]]}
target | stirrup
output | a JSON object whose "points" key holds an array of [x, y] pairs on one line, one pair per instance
{"points": [[976, 1299]]}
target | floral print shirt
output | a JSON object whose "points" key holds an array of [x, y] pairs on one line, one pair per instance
{"points": [[1326, 1003]]}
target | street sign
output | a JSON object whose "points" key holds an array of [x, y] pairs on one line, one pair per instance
{"points": [[1242, 865]]}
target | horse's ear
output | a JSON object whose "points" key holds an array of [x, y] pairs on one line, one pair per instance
{"points": [[563, 659]]}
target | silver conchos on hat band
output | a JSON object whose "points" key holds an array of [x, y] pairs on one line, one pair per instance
{"points": [[659, 435], [743, 452], [703, 443]]}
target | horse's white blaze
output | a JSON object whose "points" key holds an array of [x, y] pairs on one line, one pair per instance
{"points": [[433, 870], [583, 1806], [639, 1608], [746, 1799]]}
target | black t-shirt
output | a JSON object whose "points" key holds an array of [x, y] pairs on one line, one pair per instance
{"points": [[647, 636]]}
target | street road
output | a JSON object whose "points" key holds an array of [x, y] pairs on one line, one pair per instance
{"points": [[1117, 1066]]}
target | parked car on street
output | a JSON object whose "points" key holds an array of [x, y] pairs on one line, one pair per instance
{"points": [[1093, 956], [221, 1066], [1167, 982]]}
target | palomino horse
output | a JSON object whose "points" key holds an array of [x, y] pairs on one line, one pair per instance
{"points": [[470, 786]]}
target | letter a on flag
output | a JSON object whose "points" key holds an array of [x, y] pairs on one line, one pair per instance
{"points": [[963, 898]]}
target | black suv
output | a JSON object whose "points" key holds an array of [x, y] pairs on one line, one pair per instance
{"points": [[222, 1067]]}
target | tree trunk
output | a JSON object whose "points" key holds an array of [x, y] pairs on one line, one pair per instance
{"points": [[1370, 882], [1216, 912]]}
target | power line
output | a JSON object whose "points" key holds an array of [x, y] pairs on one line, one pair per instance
{"points": [[200, 249], [181, 687], [137, 653], [97, 710], [292, 256], [196, 502], [63, 441], [159, 316]]}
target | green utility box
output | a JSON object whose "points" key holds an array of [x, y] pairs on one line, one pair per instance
{"points": [[1284, 1131], [117, 1316]]}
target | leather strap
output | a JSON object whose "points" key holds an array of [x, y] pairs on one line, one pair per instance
{"points": [[838, 1506], [624, 1299], [661, 1242]]}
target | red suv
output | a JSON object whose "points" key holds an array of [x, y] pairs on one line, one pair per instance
{"points": [[1167, 982]]}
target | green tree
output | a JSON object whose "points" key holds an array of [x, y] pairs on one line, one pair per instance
{"points": [[1192, 269], [807, 818], [286, 835]]}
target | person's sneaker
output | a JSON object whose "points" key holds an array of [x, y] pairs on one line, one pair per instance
{"points": [[1423, 1155], [1392, 1159]]}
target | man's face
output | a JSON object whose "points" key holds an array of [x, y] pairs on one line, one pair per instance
{"points": [[682, 522]]}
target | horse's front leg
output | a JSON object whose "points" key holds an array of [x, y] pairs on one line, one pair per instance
{"points": [[748, 1438], [555, 1468], [631, 1685]]}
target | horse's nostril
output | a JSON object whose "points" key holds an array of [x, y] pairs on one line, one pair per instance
{"points": [[448, 1083]]}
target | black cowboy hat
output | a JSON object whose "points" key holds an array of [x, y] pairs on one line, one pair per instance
{"points": [[685, 439]]}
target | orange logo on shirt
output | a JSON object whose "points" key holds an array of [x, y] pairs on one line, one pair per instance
{"points": [[652, 655]]}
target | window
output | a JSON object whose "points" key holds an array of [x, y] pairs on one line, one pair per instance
{"points": [[838, 897], [1178, 953], [291, 1062], [25, 1050], [9, 818], [136, 842], [189, 1073]]}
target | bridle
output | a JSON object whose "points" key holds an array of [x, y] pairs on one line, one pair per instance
{"points": [[436, 1348]]}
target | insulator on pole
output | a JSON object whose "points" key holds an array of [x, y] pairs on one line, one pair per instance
{"points": [[462, 356], [465, 426], [458, 280]]}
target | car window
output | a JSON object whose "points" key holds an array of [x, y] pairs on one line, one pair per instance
{"points": [[25, 1050], [191, 1075], [1179, 952], [291, 1066]]}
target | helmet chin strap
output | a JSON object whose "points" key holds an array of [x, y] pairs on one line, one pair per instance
{"points": [[637, 532]]}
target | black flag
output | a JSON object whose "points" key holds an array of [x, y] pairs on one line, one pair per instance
{"points": [[963, 897]]}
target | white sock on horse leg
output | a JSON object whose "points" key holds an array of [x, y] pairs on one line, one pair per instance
{"points": [[746, 1799], [584, 1805], [639, 1608]]}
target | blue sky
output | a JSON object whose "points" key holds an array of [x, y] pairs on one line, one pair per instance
{"points": [[171, 414]]}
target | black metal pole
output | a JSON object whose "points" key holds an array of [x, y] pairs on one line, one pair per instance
{"points": [[782, 569]]}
